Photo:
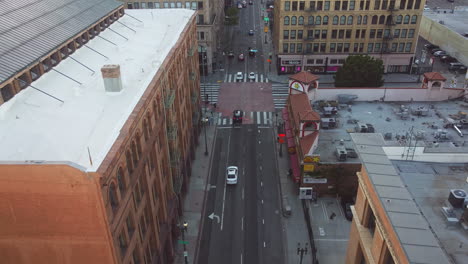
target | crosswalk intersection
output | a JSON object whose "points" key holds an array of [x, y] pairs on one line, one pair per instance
{"points": [[232, 78], [258, 118]]}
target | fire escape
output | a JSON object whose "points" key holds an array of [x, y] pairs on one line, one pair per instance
{"points": [[172, 137], [389, 27]]}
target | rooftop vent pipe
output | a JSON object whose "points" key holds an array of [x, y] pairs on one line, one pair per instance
{"points": [[111, 77]]}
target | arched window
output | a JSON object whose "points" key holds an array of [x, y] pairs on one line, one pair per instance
{"points": [[343, 20], [138, 144], [134, 155], [128, 158], [286, 20], [155, 110], [382, 20], [325, 20], [335, 20], [301, 20], [406, 21], [120, 180], [318, 20], [359, 20], [350, 20], [311, 20], [114, 201], [364, 20], [293, 20], [374, 20], [414, 19], [389, 20], [399, 19]]}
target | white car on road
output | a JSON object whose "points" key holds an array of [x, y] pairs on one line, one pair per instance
{"points": [[231, 175], [239, 77], [252, 76]]}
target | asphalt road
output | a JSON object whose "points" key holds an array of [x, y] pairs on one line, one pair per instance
{"points": [[238, 40], [247, 224]]}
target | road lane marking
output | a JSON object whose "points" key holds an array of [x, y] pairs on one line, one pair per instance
{"points": [[264, 244], [242, 193], [261, 183], [242, 223], [262, 201], [263, 221], [258, 118], [261, 168], [325, 213], [241, 258], [322, 231]]}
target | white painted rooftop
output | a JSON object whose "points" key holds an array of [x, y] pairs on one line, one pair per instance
{"points": [[35, 126]]}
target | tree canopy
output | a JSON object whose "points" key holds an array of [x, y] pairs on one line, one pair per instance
{"points": [[232, 16], [360, 71]]}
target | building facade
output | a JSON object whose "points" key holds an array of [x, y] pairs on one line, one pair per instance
{"points": [[317, 36], [121, 208], [210, 21]]}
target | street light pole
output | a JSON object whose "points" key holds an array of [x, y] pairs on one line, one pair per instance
{"points": [[302, 251], [204, 92], [183, 228]]}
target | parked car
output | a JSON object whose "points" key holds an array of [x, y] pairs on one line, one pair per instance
{"points": [[239, 77], [241, 57], [430, 46], [432, 51], [239, 6], [440, 53], [457, 67], [448, 59], [231, 175], [252, 76], [251, 32], [346, 206], [250, 2], [230, 54], [244, 4], [237, 117]]}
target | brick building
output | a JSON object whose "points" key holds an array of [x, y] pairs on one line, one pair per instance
{"points": [[317, 36], [99, 125]]}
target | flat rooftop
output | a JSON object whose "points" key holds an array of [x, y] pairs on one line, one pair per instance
{"points": [[456, 21], [35, 126], [385, 117], [415, 227]]}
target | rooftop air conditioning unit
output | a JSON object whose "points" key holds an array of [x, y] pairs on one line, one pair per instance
{"points": [[457, 198]]}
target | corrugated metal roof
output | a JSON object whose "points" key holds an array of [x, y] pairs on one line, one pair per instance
{"points": [[412, 229], [29, 29]]}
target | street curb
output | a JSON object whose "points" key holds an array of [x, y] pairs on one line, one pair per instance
{"points": [[202, 218]]}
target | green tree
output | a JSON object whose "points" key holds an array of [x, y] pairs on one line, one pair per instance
{"points": [[360, 71], [232, 16]]}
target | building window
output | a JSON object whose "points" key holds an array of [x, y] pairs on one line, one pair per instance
{"points": [[325, 20], [377, 5], [299, 34], [318, 20], [364, 20], [403, 33], [143, 5], [130, 225], [348, 33], [374, 20], [301, 20], [136, 257], [285, 48], [370, 47], [323, 47], [335, 20], [194, 5], [310, 61], [334, 61], [363, 33], [311, 20], [332, 47], [352, 5], [319, 61], [310, 34], [327, 6], [114, 201], [293, 20], [294, 6], [285, 34], [201, 20], [350, 20], [396, 33], [120, 180], [287, 6], [394, 47], [407, 18], [372, 33], [357, 34], [401, 47], [377, 47], [292, 48], [172, 5], [381, 20], [355, 49], [129, 5], [344, 5], [384, 4], [187, 5], [343, 20], [317, 34], [417, 4], [293, 34], [414, 19], [341, 33], [379, 33], [150, 5], [389, 20], [408, 47], [359, 20], [312, 5], [410, 5], [299, 47], [399, 19], [324, 34], [301, 5], [179, 4], [411, 33], [309, 47], [361, 47], [320, 5], [339, 47], [386, 33], [316, 47], [286, 20], [200, 5], [136, 5], [337, 5], [334, 34]]}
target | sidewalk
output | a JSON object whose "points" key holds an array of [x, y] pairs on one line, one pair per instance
{"points": [[194, 199]]}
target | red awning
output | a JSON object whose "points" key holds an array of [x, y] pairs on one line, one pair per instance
{"points": [[296, 171]]}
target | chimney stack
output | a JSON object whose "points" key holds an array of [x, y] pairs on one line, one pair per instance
{"points": [[111, 77]]}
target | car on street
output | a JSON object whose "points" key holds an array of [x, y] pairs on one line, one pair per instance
{"points": [[448, 59], [252, 76], [250, 2], [239, 6], [347, 211], [241, 57], [429, 46], [457, 67], [251, 32], [244, 3], [237, 117], [239, 77], [231, 175], [230, 54], [432, 51], [440, 53]]}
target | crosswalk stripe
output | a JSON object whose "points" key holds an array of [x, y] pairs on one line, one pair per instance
{"points": [[229, 77], [258, 118]]}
